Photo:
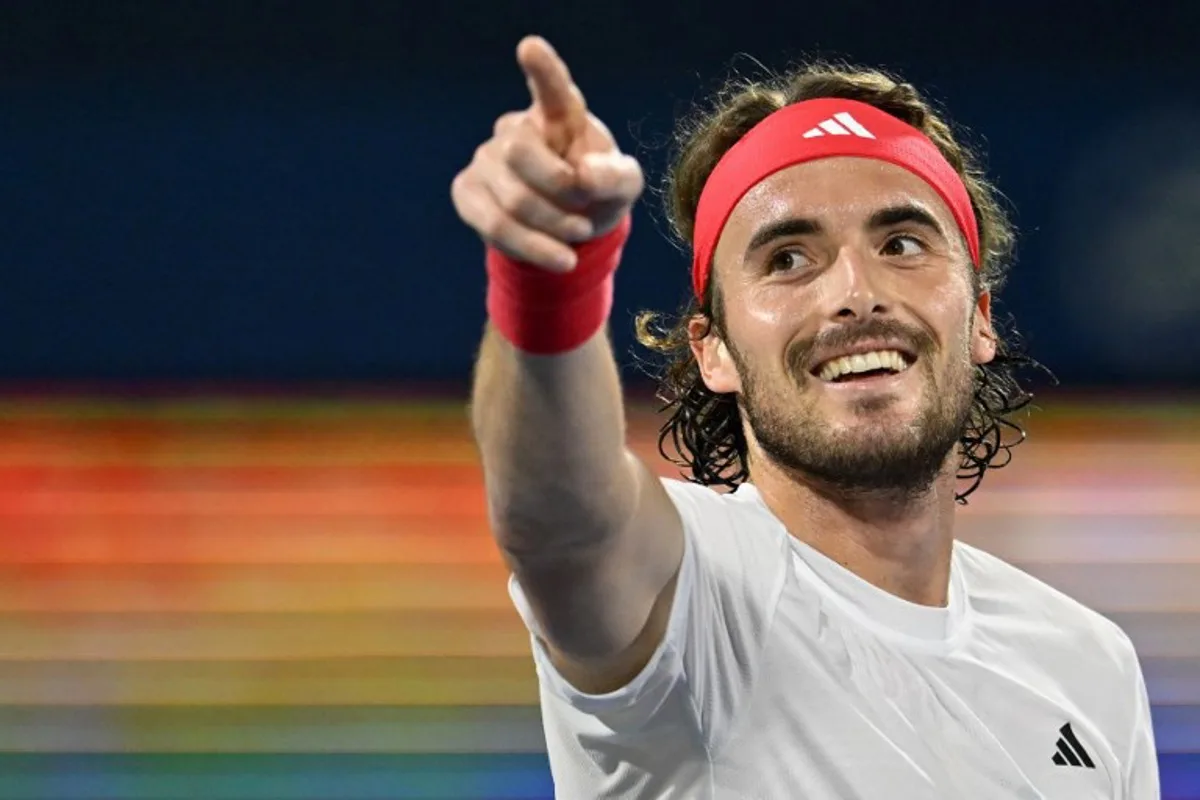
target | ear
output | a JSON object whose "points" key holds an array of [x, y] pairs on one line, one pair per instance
{"points": [[983, 333], [717, 367]]}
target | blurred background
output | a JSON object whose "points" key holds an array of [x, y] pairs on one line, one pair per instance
{"points": [[243, 551]]}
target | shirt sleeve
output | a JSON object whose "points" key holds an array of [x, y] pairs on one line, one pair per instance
{"points": [[730, 580]]}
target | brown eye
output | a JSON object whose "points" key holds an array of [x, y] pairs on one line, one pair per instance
{"points": [[903, 245], [788, 260]]}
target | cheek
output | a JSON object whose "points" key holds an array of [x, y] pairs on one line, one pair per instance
{"points": [[947, 311], [948, 300], [763, 324], [766, 308], [950, 310]]}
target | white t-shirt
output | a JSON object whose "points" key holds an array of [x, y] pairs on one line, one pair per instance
{"points": [[783, 675]]}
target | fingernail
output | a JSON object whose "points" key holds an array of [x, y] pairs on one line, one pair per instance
{"points": [[565, 261], [580, 230]]}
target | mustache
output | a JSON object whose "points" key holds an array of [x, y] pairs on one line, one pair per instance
{"points": [[800, 354]]}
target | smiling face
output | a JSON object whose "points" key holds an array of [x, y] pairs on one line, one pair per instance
{"points": [[850, 324]]}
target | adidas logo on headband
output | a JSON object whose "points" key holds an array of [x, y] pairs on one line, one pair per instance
{"points": [[840, 124]]}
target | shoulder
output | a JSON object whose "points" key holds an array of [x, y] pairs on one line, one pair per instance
{"points": [[728, 524], [1072, 653], [713, 508], [1043, 619]]}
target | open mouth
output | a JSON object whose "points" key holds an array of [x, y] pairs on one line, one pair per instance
{"points": [[863, 366]]}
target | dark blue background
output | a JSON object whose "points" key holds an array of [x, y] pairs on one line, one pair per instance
{"points": [[259, 191]]}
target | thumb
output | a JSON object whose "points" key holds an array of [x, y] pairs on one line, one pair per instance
{"points": [[610, 176]]}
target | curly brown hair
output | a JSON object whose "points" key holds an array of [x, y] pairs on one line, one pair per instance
{"points": [[704, 428]]}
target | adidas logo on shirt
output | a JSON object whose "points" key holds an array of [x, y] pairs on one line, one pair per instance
{"points": [[1070, 751], [840, 124]]}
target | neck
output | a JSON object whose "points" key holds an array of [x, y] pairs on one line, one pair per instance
{"points": [[899, 543]]}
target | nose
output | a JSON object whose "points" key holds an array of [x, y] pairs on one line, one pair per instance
{"points": [[855, 292]]}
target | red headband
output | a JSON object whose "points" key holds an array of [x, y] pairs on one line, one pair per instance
{"points": [[816, 129]]}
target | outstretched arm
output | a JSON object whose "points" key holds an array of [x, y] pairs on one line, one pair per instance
{"points": [[587, 529]]}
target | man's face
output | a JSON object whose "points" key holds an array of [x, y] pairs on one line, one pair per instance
{"points": [[850, 324]]}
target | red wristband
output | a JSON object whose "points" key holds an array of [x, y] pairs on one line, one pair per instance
{"points": [[545, 312]]}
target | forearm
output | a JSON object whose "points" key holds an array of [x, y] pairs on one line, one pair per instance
{"points": [[551, 433]]}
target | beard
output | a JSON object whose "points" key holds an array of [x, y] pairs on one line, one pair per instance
{"points": [[879, 456]]}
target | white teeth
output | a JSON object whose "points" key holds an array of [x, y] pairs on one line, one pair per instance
{"points": [[863, 362]]}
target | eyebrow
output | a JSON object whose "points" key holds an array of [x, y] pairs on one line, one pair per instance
{"points": [[803, 226], [780, 229], [899, 215]]}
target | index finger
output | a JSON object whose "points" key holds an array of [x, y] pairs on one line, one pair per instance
{"points": [[554, 93]]}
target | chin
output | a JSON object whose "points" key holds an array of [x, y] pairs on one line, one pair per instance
{"points": [[874, 409], [877, 432]]}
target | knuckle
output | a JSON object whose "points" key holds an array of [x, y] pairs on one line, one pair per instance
{"points": [[461, 189], [462, 181], [559, 182], [492, 226], [506, 122], [513, 150], [519, 202], [480, 155]]}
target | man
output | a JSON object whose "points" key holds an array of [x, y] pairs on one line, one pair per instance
{"points": [[817, 632]]}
